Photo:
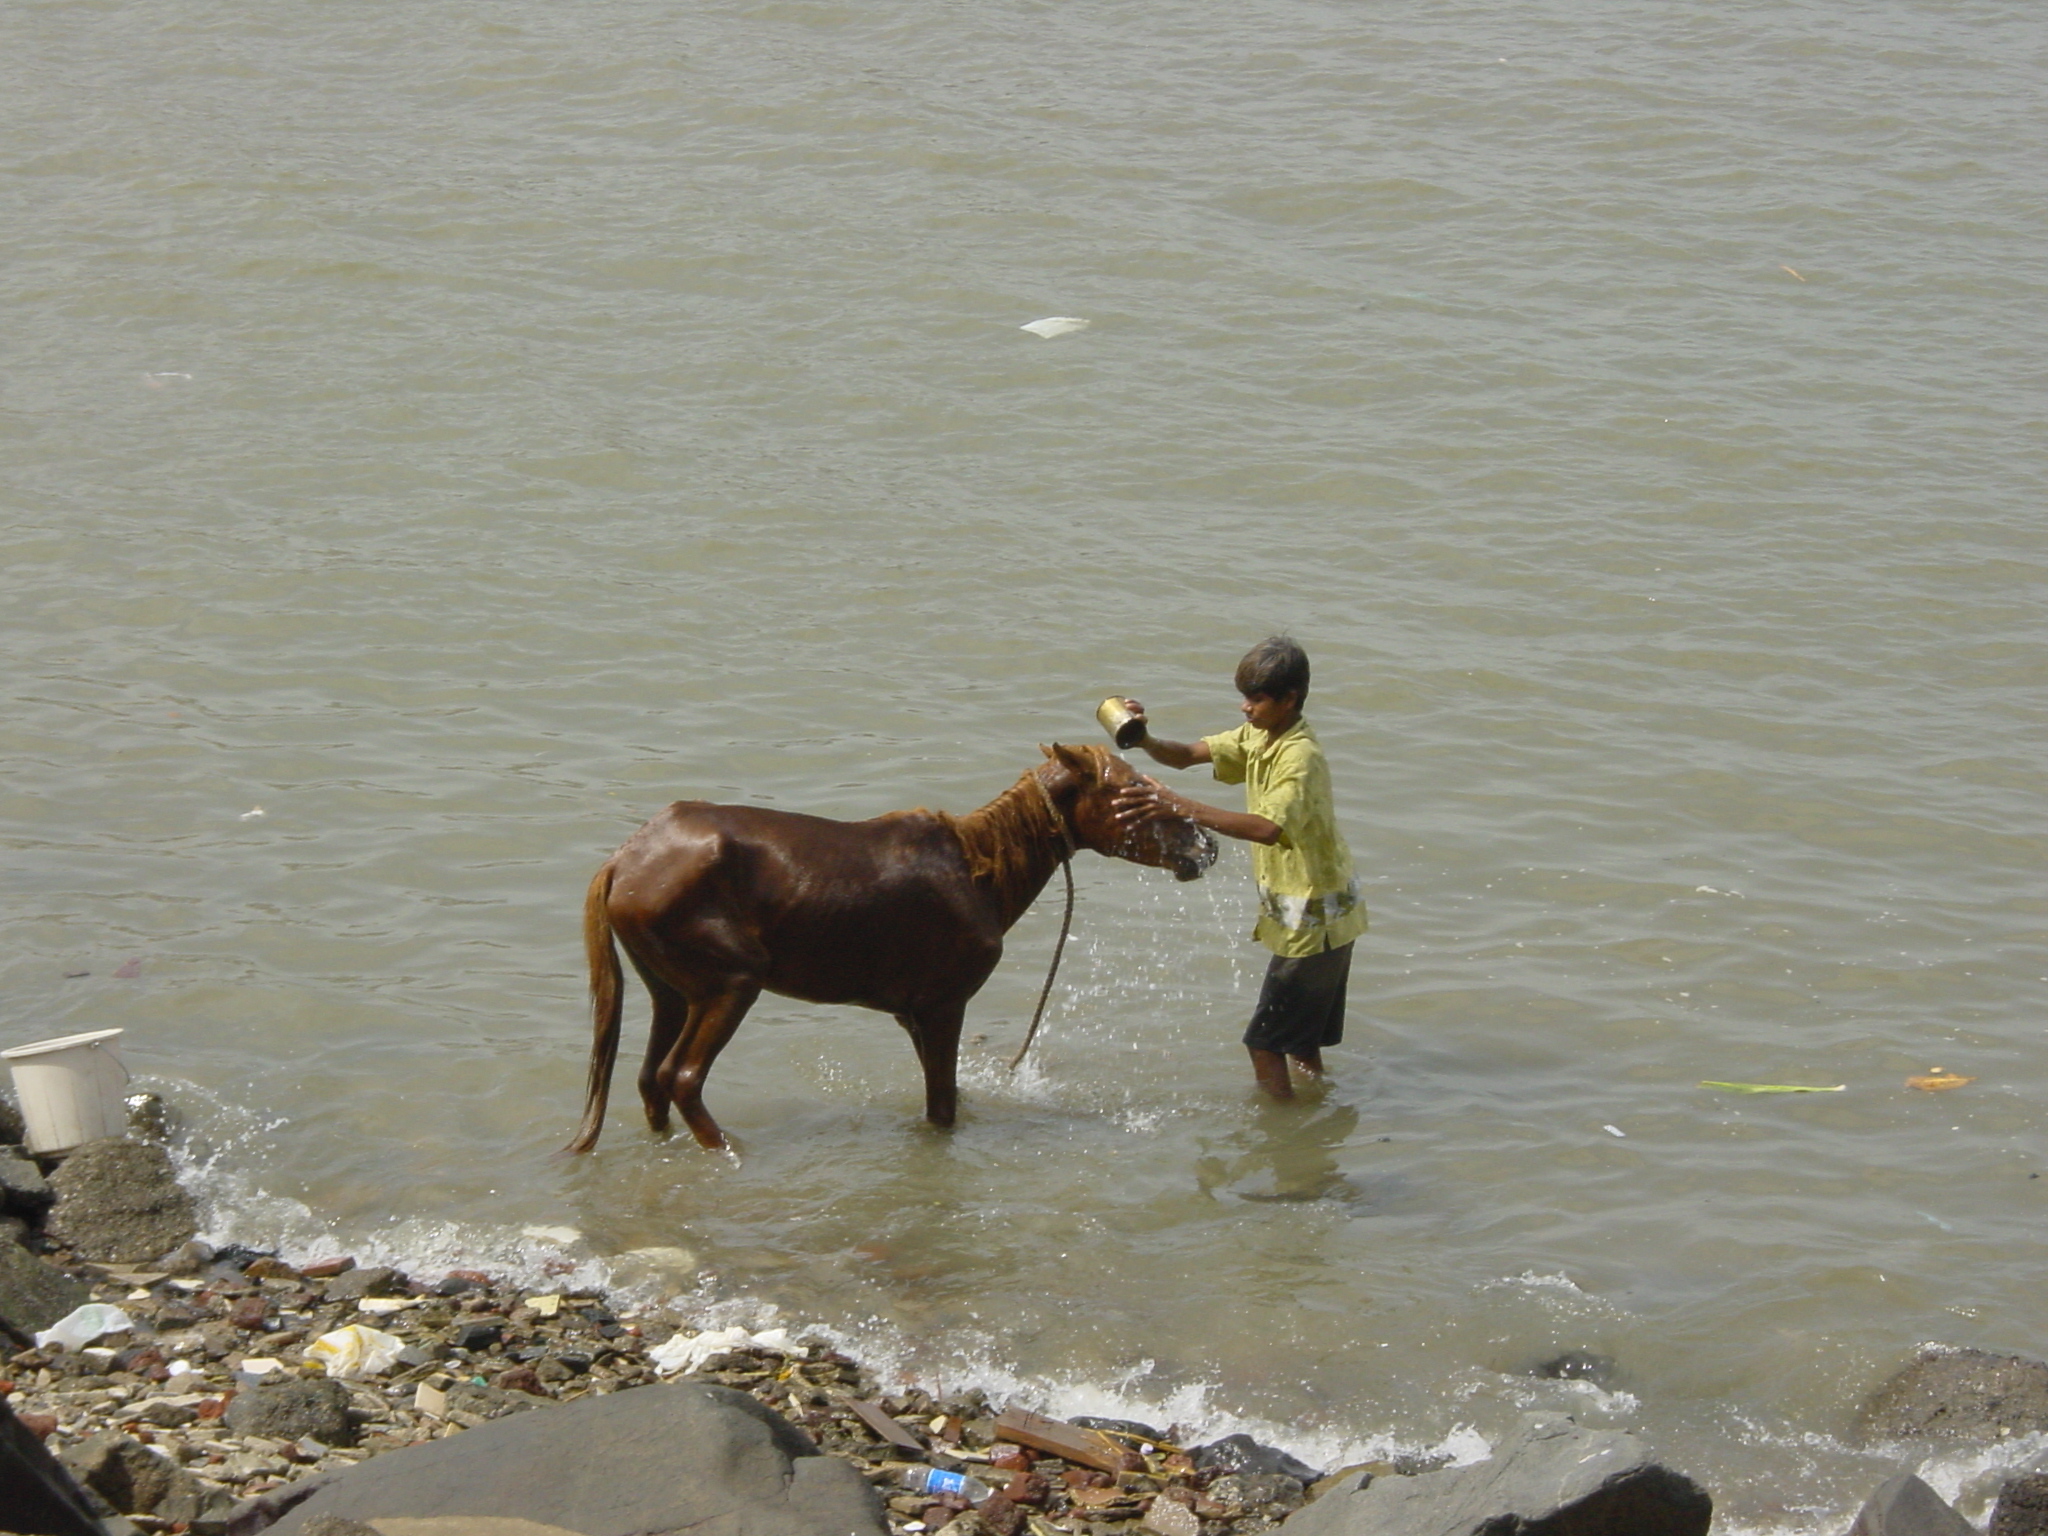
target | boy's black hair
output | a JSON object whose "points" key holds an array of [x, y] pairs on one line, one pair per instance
{"points": [[1276, 668]]}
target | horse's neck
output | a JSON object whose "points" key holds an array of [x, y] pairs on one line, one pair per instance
{"points": [[1013, 844]]}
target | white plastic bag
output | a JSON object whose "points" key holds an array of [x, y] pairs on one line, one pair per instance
{"points": [[77, 1329], [357, 1350], [682, 1353]]}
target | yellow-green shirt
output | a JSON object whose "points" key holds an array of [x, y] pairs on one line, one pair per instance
{"points": [[1308, 895]]}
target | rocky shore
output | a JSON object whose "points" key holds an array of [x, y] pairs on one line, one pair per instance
{"points": [[208, 1398], [196, 1381], [195, 1392]]}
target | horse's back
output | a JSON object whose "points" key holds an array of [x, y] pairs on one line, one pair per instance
{"points": [[832, 911], [701, 833]]}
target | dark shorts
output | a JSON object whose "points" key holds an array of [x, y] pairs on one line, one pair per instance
{"points": [[1301, 1006]]}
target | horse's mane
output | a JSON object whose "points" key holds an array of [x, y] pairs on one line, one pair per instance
{"points": [[999, 838]]}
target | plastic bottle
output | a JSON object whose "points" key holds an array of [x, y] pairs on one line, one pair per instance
{"points": [[933, 1481]]}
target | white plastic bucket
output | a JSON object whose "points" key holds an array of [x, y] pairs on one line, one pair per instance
{"points": [[72, 1090]]}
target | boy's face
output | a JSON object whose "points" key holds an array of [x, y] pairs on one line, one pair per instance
{"points": [[1268, 713]]}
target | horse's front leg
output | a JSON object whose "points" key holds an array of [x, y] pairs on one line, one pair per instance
{"points": [[712, 1022], [936, 1033]]}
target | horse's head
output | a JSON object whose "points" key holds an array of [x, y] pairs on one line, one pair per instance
{"points": [[1083, 783]]}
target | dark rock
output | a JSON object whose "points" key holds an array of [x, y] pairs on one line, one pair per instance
{"points": [[1905, 1506], [187, 1259], [41, 1496], [271, 1267], [14, 1230], [460, 1285], [33, 1295], [1962, 1394], [1241, 1453], [1001, 1516], [134, 1479], [149, 1115], [327, 1269], [413, 1356], [119, 1202], [1028, 1488], [1550, 1478], [23, 1189], [490, 1402], [165, 1414], [337, 1525], [354, 1284], [12, 1131], [2022, 1508], [1269, 1493], [663, 1459], [138, 1358], [519, 1378], [1577, 1365], [249, 1313], [287, 1410], [476, 1337]]}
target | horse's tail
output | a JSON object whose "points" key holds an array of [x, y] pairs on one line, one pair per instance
{"points": [[604, 1008]]}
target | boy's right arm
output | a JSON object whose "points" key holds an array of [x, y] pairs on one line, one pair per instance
{"points": [[1174, 754]]}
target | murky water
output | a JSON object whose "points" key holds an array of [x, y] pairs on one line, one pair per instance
{"points": [[460, 434]]}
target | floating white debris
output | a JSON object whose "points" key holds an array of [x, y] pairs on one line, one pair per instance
{"points": [[674, 1261], [254, 813], [683, 1353], [551, 1234], [356, 1350], [1615, 1130], [1054, 325], [80, 1327]]}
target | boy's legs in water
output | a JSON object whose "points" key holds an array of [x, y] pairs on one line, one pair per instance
{"points": [[1270, 1069], [1300, 1010]]}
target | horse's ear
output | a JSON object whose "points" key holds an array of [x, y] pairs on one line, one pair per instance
{"points": [[1076, 758], [1048, 751]]}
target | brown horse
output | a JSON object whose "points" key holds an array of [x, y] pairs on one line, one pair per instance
{"points": [[905, 913]]}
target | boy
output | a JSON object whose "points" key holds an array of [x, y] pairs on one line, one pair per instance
{"points": [[1309, 907]]}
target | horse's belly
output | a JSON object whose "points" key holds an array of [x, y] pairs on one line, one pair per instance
{"points": [[871, 970]]}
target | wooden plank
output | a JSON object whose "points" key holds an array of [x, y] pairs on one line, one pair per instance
{"points": [[871, 1415], [1083, 1446]]}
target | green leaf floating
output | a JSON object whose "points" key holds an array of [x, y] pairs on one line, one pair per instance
{"points": [[1773, 1088]]}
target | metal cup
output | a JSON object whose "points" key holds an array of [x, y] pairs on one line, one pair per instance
{"points": [[1125, 729]]}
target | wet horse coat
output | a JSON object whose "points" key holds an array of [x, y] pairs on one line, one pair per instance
{"points": [[905, 913]]}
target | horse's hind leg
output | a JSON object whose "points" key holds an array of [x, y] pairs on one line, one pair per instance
{"points": [[671, 1023], [712, 1022]]}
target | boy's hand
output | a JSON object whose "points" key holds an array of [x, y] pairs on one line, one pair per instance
{"points": [[1150, 800], [1146, 800]]}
